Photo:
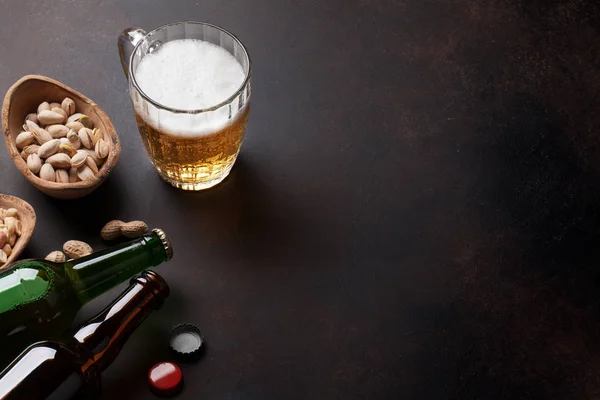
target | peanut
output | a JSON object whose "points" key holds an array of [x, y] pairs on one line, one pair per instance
{"points": [[7, 249], [112, 230], [116, 228], [77, 249], [57, 257]]}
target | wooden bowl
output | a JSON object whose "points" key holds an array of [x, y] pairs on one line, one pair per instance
{"points": [[27, 217], [23, 98]]}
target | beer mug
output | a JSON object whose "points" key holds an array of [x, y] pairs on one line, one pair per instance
{"points": [[192, 149]]}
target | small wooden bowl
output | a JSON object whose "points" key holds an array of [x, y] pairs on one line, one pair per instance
{"points": [[27, 217], [23, 98]]}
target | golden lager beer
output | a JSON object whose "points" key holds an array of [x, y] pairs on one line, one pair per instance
{"points": [[192, 100], [194, 159]]}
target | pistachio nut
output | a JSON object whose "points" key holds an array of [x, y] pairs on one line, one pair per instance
{"points": [[7, 248], [73, 175], [73, 138], [86, 138], [87, 121], [57, 131], [34, 163], [59, 160], [91, 164], [54, 105], [47, 117], [47, 173], [69, 106], [75, 125], [75, 117], [49, 148], [66, 148], [93, 156], [32, 117], [85, 173], [41, 135], [79, 159], [72, 135], [60, 111], [62, 176], [97, 133], [82, 118], [43, 106], [31, 149], [102, 148], [24, 139]]}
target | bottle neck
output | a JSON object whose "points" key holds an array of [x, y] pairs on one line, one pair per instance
{"points": [[93, 275], [104, 335]]}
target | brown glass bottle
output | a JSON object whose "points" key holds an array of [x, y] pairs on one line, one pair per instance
{"points": [[63, 370]]}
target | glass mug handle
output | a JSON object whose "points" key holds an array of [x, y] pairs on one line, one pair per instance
{"points": [[128, 39]]}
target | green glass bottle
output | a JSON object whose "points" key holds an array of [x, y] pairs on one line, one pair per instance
{"points": [[39, 299]]}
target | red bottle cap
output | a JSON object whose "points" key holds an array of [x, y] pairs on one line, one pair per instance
{"points": [[165, 378]]}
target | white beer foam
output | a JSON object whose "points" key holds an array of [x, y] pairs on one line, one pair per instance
{"points": [[188, 74]]}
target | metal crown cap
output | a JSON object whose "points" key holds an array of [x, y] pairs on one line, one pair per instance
{"points": [[186, 342], [165, 242]]}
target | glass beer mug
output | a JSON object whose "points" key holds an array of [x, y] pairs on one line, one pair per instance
{"points": [[192, 149]]}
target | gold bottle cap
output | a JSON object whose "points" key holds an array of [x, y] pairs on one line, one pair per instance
{"points": [[165, 242]]}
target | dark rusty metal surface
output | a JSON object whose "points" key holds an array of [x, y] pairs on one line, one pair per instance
{"points": [[415, 213]]}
